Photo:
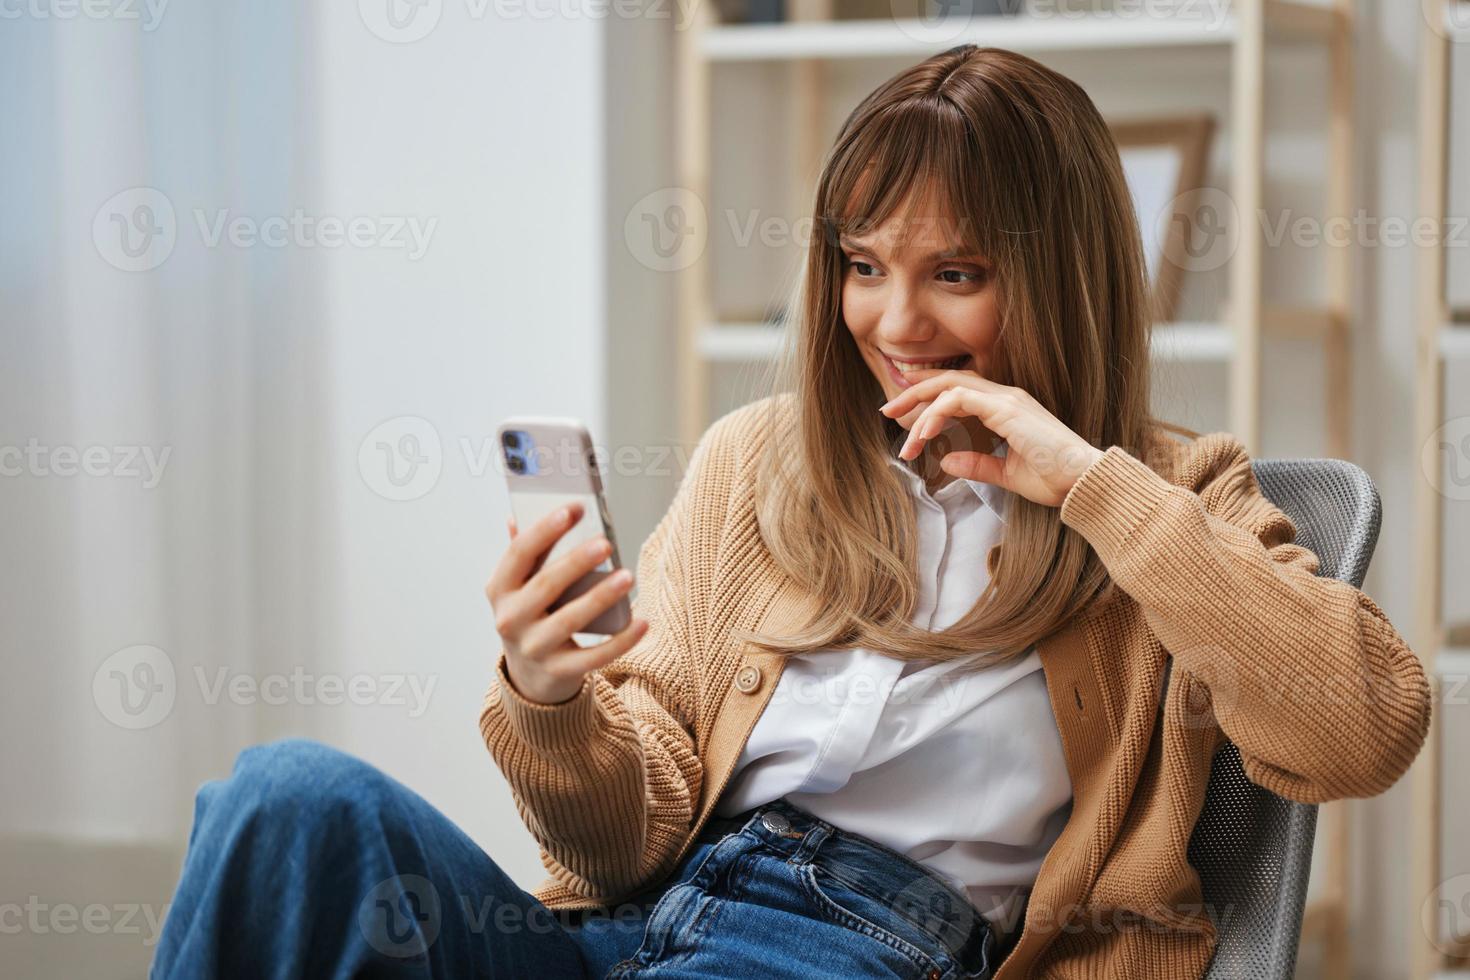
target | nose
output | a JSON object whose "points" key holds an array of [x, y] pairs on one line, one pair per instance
{"points": [[904, 320]]}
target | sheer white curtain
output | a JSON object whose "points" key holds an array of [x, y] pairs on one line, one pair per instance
{"points": [[158, 407], [192, 380]]}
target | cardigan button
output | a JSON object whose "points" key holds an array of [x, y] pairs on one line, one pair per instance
{"points": [[747, 679]]}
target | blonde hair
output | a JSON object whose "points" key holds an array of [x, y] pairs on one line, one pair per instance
{"points": [[1028, 173]]}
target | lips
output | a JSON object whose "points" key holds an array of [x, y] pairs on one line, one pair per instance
{"points": [[903, 382]]}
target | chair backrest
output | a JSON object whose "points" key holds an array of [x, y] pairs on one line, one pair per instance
{"points": [[1253, 849]]}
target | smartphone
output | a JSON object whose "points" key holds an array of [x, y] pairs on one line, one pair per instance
{"points": [[549, 463]]}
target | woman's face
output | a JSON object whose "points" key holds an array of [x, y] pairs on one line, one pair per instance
{"points": [[916, 304]]}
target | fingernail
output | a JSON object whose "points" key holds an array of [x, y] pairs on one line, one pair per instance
{"points": [[622, 576], [596, 548]]}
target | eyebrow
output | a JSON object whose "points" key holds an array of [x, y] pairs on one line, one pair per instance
{"points": [[953, 252]]}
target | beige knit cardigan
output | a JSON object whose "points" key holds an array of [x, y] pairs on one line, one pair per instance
{"points": [[1304, 674]]}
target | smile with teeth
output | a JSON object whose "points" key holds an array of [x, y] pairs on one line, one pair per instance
{"points": [[909, 366]]}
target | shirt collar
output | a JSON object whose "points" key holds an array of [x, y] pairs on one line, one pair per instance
{"points": [[994, 497]]}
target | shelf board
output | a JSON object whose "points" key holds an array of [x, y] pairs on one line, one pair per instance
{"points": [[739, 341], [1192, 342], [1454, 340], [1452, 660], [743, 342], [1026, 33]]}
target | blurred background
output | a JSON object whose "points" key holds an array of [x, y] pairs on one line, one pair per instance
{"points": [[271, 273]]}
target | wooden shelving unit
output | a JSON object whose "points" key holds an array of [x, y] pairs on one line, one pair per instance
{"points": [[808, 44], [1445, 650], [811, 41]]}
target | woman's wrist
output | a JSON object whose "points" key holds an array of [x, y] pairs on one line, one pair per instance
{"points": [[548, 696]]}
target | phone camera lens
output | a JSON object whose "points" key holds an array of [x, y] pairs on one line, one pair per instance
{"points": [[511, 440], [516, 464]]}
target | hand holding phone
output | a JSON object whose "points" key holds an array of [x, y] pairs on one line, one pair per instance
{"points": [[561, 573]]}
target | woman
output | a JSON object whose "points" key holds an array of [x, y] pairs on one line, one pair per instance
{"points": [[893, 700]]}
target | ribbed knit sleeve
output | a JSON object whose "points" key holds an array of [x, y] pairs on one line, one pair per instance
{"points": [[608, 781], [1306, 675]]}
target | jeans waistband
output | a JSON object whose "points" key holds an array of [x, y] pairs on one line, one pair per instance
{"points": [[915, 892]]}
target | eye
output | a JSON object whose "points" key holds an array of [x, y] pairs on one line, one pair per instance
{"points": [[865, 270], [962, 276]]}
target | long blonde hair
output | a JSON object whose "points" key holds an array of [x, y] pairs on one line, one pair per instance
{"points": [[1028, 172]]}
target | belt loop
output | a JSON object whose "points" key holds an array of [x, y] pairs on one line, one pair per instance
{"points": [[810, 843]]}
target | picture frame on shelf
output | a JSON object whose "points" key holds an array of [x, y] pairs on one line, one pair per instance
{"points": [[1164, 161]]}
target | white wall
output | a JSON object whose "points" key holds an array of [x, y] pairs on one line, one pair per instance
{"points": [[493, 127], [516, 136]]}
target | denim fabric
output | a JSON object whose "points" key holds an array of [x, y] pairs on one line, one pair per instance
{"points": [[308, 862]]}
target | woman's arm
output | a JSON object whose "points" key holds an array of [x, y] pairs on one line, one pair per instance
{"points": [[1307, 676], [608, 781]]}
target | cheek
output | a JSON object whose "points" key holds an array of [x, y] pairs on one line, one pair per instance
{"points": [[976, 327], [857, 311]]}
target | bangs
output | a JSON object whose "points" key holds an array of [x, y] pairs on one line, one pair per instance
{"points": [[920, 162]]}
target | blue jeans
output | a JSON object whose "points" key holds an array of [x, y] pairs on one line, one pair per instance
{"points": [[308, 862]]}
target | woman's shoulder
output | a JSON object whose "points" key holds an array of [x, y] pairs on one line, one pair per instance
{"points": [[1217, 467], [742, 433], [1191, 459]]}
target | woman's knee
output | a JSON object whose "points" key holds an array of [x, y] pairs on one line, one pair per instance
{"points": [[303, 780]]}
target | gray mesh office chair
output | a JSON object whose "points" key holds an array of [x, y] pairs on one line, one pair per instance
{"points": [[1253, 849]]}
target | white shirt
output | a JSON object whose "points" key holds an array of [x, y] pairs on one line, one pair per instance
{"points": [[963, 774]]}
